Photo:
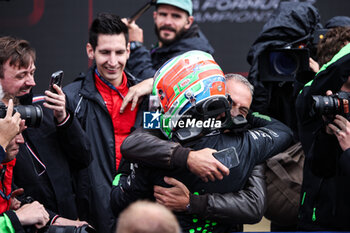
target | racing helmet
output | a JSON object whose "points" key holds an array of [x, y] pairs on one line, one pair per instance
{"points": [[190, 87]]}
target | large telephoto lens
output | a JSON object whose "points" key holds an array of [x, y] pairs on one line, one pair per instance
{"points": [[283, 63], [32, 114], [325, 105]]}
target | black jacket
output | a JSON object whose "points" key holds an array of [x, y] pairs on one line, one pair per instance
{"points": [[144, 63], [95, 182], [245, 206], [13, 225], [61, 150], [325, 190], [252, 147], [291, 22]]}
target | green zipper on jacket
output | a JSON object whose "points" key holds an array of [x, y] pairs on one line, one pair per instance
{"points": [[314, 214]]}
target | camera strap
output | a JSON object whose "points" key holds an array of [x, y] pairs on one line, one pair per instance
{"points": [[3, 191], [3, 195], [293, 43]]}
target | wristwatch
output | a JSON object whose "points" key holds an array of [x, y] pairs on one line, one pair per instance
{"points": [[135, 44]]}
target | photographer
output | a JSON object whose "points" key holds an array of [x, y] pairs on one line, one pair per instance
{"points": [[26, 216], [9, 127], [13, 217], [336, 21], [53, 150], [325, 138], [279, 60], [276, 79]]}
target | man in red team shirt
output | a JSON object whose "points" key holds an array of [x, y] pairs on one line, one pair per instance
{"points": [[96, 98]]}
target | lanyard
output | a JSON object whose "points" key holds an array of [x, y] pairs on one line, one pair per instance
{"points": [[109, 84], [3, 191]]}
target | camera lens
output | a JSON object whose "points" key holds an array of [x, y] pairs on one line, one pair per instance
{"points": [[32, 114], [283, 63], [325, 105]]}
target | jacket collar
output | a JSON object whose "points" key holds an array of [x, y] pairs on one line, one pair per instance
{"points": [[192, 39], [89, 90]]}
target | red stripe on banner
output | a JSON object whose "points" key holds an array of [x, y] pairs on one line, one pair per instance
{"points": [[30, 20], [38, 11]]}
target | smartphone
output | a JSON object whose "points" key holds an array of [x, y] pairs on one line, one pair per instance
{"points": [[228, 157], [56, 78]]}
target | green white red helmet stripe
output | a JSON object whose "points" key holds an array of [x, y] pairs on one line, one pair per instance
{"points": [[183, 81]]}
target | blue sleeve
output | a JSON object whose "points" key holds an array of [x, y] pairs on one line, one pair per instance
{"points": [[140, 63]]}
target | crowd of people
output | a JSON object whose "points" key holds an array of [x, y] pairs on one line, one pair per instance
{"points": [[90, 161]]}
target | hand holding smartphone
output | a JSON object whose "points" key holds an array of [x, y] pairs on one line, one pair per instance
{"points": [[228, 157], [56, 78]]}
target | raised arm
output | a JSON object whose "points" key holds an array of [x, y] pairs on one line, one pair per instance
{"points": [[71, 136], [140, 61]]}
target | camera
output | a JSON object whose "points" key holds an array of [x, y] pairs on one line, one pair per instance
{"points": [[331, 105], [32, 114], [283, 64], [318, 35], [70, 229], [53, 228], [278, 65]]}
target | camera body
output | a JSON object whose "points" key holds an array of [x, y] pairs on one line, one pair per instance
{"points": [[53, 228], [331, 105], [318, 35], [32, 114], [282, 65], [70, 229]]}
